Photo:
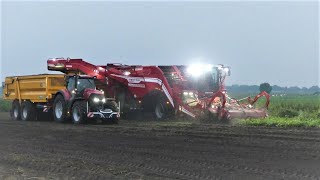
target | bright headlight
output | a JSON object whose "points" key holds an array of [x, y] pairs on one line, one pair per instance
{"points": [[103, 100], [96, 100], [126, 73], [198, 69], [186, 93]]}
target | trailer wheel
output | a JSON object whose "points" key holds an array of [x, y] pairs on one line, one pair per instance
{"points": [[79, 115], [28, 111], [15, 111], [59, 109]]}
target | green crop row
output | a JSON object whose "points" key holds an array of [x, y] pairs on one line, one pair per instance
{"points": [[301, 106], [282, 122], [290, 111]]}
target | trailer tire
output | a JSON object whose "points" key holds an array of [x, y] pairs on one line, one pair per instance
{"points": [[78, 113], [15, 111], [59, 109], [28, 111]]}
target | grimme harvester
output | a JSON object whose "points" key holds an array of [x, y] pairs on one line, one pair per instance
{"points": [[195, 91]]}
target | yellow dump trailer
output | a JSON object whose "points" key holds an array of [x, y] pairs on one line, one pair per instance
{"points": [[28, 92]]}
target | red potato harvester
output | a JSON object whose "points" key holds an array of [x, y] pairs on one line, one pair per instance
{"points": [[194, 91]]}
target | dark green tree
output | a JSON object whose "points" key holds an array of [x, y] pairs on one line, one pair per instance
{"points": [[265, 87]]}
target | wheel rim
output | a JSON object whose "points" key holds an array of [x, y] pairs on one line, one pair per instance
{"points": [[15, 112], [58, 110], [24, 112], [159, 111], [76, 114]]}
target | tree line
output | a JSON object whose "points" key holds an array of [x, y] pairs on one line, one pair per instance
{"points": [[273, 89]]}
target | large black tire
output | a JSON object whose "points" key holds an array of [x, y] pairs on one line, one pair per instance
{"points": [[59, 109], [16, 111], [114, 107], [161, 111], [28, 111], [79, 112]]}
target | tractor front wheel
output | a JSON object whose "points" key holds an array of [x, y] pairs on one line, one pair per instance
{"points": [[79, 115], [114, 107]]}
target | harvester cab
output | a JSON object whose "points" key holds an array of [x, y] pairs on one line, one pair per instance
{"points": [[203, 93]]}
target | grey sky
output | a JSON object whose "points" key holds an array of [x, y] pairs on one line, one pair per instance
{"points": [[275, 42]]}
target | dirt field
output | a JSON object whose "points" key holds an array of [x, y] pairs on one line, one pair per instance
{"points": [[152, 150]]}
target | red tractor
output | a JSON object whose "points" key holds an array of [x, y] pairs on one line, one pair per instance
{"points": [[194, 91], [80, 100]]}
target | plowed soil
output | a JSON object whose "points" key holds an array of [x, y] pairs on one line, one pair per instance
{"points": [[155, 150]]}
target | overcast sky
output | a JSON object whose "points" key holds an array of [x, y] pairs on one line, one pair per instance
{"points": [[275, 42]]}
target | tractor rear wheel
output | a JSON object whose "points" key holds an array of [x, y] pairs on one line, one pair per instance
{"points": [[28, 111], [59, 109], [15, 111], [78, 113]]}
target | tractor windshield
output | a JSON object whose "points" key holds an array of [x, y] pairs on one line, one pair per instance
{"points": [[84, 83]]}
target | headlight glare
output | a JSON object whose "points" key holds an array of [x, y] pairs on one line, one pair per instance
{"points": [[96, 100]]}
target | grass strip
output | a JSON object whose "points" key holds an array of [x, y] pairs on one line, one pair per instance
{"points": [[282, 122]]}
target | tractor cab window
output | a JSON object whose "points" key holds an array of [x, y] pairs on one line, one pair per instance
{"points": [[71, 84], [84, 83]]}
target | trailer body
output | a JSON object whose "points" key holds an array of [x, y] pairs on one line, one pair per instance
{"points": [[35, 88]]}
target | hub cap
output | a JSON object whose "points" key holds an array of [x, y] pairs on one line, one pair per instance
{"points": [[76, 114], [15, 112], [58, 110], [24, 112]]}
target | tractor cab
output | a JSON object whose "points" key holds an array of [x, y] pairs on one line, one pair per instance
{"points": [[77, 84]]}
